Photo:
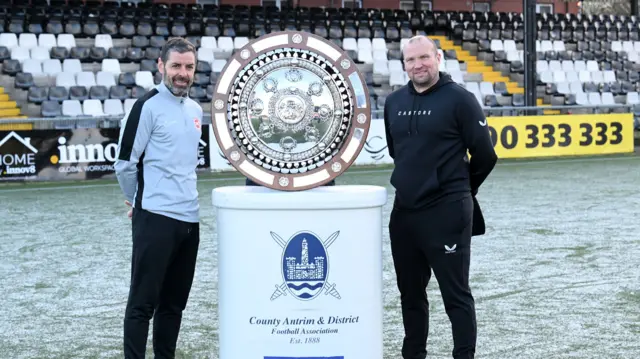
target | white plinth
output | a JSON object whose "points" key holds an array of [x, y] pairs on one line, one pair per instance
{"points": [[300, 273]]}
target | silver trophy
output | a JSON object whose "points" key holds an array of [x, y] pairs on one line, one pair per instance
{"points": [[291, 111]]}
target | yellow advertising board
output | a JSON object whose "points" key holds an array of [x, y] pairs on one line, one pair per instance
{"points": [[561, 135]]}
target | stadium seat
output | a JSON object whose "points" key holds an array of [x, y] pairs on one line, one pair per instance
{"points": [[98, 92], [113, 107], [79, 93], [51, 109], [80, 52], [8, 40], [58, 93], [144, 79], [118, 92], [128, 104], [86, 79], [24, 80], [67, 41], [38, 94], [71, 108], [92, 107]]}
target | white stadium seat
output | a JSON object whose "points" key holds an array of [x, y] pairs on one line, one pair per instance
{"points": [[71, 108], [86, 79], [20, 53], [8, 40], [66, 79], [208, 42], [72, 66], [111, 66], [144, 79], [33, 67], [103, 40], [113, 107], [66, 40], [27, 40], [47, 41], [105, 79], [92, 107], [51, 67], [40, 53]]}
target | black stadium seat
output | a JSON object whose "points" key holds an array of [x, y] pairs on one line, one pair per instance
{"points": [[78, 93], [126, 79], [203, 67], [54, 26], [23, 80], [118, 92], [148, 65], [118, 52], [80, 53], [51, 109], [157, 41], [37, 94], [137, 92], [5, 54], [97, 54], [140, 41], [98, 92], [152, 53], [58, 93], [134, 54], [127, 29], [59, 52]]}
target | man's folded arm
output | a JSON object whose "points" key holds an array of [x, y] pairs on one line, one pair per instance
{"points": [[135, 131]]}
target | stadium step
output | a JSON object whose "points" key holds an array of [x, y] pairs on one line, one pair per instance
{"points": [[540, 103], [476, 66], [9, 112], [8, 108]]}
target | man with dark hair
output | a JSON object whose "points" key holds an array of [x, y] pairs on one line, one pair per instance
{"points": [[156, 170], [430, 125]]}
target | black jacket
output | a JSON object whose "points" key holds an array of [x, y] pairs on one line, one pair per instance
{"points": [[428, 136]]}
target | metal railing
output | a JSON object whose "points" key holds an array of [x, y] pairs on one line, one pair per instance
{"points": [[561, 110], [47, 123]]}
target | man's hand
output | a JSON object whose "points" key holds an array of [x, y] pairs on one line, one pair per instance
{"points": [[130, 213]]}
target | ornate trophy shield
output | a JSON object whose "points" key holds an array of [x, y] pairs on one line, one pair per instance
{"points": [[291, 111]]}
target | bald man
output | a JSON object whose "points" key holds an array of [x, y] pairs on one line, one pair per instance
{"points": [[430, 124]]}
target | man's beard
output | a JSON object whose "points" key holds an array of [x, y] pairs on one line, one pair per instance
{"points": [[428, 79], [177, 91]]}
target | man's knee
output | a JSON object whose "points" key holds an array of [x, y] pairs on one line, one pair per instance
{"points": [[140, 311]]}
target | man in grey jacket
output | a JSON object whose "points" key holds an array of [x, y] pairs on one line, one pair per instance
{"points": [[156, 170]]}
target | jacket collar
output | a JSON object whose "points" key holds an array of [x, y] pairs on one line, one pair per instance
{"points": [[164, 90]]}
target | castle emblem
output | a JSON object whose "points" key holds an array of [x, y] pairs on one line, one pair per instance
{"points": [[305, 266]]}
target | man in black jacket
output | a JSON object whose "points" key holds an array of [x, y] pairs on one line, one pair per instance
{"points": [[430, 125]]}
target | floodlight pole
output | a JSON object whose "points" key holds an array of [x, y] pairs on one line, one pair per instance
{"points": [[529, 11]]}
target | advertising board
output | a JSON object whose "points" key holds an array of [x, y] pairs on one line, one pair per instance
{"points": [[75, 154], [561, 135]]}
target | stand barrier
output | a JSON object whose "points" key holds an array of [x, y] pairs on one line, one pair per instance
{"points": [[300, 273]]}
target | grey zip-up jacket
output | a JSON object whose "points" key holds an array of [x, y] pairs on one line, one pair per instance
{"points": [[158, 154]]}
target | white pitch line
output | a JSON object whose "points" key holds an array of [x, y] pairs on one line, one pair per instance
{"points": [[355, 172]]}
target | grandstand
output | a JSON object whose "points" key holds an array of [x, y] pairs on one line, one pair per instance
{"points": [[95, 60]]}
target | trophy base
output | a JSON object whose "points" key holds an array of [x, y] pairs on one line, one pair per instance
{"points": [[300, 273]]}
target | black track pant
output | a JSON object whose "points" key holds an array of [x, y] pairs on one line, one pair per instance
{"points": [[162, 269], [437, 239]]}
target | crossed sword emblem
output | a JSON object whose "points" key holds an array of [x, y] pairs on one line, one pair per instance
{"points": [[329, 288]]}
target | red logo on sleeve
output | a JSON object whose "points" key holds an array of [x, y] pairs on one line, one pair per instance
{"points": [[196, 122]]}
